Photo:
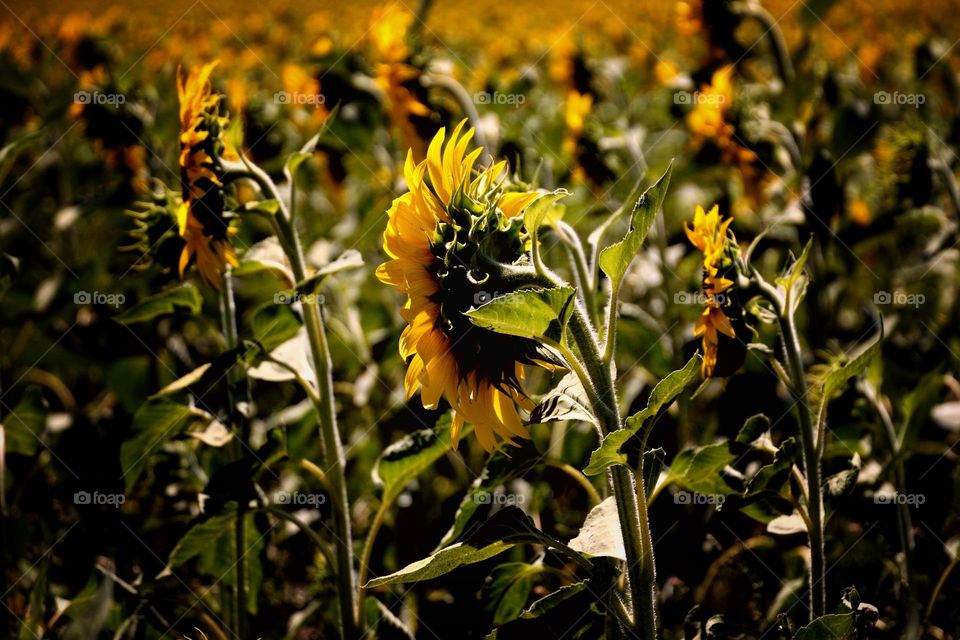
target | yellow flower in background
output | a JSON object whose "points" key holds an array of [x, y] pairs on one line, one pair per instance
{"points": [[200, 216], [709, 235], [707, 119], [394, 76], [438, 237], [575, 113]]}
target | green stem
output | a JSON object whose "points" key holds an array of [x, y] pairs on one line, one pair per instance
{"points": [[628, 491], [228, 318], [365, 556], [811, 461], [335, 460]]}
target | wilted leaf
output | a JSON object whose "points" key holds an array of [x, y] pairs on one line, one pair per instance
{"points": [[600, 534]]}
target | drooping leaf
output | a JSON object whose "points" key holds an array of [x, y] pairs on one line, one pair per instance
{"points": [[566, 401], [753, 428], [600, 534], [531, 313], [407, 458], [508, 527], [610, 451], [542, 210], [181, 298]]}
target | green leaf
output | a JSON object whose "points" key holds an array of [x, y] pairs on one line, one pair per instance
{"points": [[542, 210], [156, 422], [615, 260], [407, 458], [753, 428], [506, 528], [773, 475], [182, 298], [835, 626], [699, 469], [349, 259], [793, 282], [24, 426], [507, 590], [610, 451], [274, 323], [501, 467], [531, 313], [198, 539], [839, 375]]}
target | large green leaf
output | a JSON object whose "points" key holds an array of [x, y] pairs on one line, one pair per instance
{"points": [[615, 260], [531, 313], [156, 422], [611, 449], [506, 528], [182, 298], [542, 210], [839, 375], [349, 259], [407, 458]]}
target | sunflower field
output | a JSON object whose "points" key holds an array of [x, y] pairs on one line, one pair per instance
{"points": [[422, 319]]}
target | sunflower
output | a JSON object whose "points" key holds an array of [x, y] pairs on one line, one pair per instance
{"points": [[448, 238], [200, 216], [709, 234]]}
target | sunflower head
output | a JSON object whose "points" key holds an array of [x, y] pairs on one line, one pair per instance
{"points": [[721, 311], [453, 240], [201, 216]]}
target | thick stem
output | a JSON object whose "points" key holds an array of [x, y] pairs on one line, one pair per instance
{"points": [[811, 462], [335, 460], [628, 491]]}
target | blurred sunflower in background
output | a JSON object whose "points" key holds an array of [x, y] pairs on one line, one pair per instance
{"points": [[200, 217], [709, 235], [447, 238]]}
